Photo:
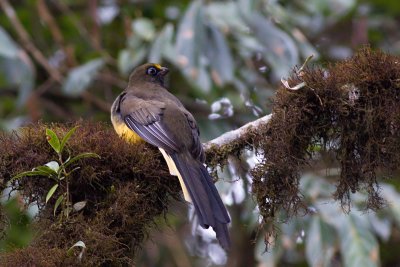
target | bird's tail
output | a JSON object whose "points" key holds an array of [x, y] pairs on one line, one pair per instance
{"points": [[205, 198]]}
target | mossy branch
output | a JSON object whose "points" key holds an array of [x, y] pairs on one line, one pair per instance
{"points": [[351, 110]]}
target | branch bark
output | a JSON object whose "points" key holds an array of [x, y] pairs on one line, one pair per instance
{"points": [[230, 136]]}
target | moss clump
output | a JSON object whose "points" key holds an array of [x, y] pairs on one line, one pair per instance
{"points": [[125, 191], [352, 110]]}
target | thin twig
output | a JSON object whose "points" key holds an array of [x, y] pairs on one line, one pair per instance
{"points": [[84, 33], [27, 42], [47, 17], [99, 103]]}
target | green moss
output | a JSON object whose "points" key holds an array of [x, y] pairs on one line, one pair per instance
{"points": [[125, 190]]}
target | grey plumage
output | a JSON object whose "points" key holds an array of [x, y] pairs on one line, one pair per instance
{"points": [[157, 116]]}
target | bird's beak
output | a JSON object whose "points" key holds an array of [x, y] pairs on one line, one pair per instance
{"points": [[164, 71]]}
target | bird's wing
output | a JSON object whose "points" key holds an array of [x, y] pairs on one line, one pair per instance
{"points": [[145, 118], [197, 148]]}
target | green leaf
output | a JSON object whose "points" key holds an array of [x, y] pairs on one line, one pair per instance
{"points": [[144, 28], [162, 46], [49, 171], [81, 156], [219, 55], [79, 78], [18, 231], [77, 244], [18, 72], [53, 140], [51, 192], [28, 173], [54, 166], [358, 245], [129, 58], [58, 202], [8, 48], [67, 137], [393, 199], [278, 47], [190, 40], [320, 242]]}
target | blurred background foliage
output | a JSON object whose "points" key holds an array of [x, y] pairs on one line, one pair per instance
{"points": [[65, 60]]}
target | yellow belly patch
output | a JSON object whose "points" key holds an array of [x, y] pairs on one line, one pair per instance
{"points": [[127, 134]]}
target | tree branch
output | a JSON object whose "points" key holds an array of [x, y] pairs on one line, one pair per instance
{"points": [[230, 136], [27, 42]]}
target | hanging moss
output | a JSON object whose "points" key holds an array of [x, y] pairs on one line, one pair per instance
{"points": [[351, 110]]}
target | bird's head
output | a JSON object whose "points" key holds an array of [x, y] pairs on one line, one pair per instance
{"points": [[149, 72]]}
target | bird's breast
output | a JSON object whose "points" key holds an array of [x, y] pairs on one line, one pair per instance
{"points": [[125, 133]]}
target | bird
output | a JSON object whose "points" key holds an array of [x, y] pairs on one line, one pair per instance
{"points": [[147, 111]]}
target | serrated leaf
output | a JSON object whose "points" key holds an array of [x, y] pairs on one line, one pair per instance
{"points": [[53, 140], [79, 205], [66, 137], [51, 192], [81, 156], [79, 78], [77, 244], [57, 204]]}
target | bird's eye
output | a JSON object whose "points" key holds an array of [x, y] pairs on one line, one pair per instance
{"points": [[152, 71]]}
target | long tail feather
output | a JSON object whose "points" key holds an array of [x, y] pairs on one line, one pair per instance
{"points": [[206, 200]]}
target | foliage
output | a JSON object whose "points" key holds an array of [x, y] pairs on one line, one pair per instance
{"points": [[15, 225], [57, 171]]}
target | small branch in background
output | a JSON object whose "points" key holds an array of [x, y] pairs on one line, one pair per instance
{"points": [[111, 79], [49, 20], [27, 42], [99, 103], [85, 34], [231, 136], [47, 17], [95, 30]]}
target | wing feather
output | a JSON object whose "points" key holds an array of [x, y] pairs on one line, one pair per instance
{"points": [[145, 118]]}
